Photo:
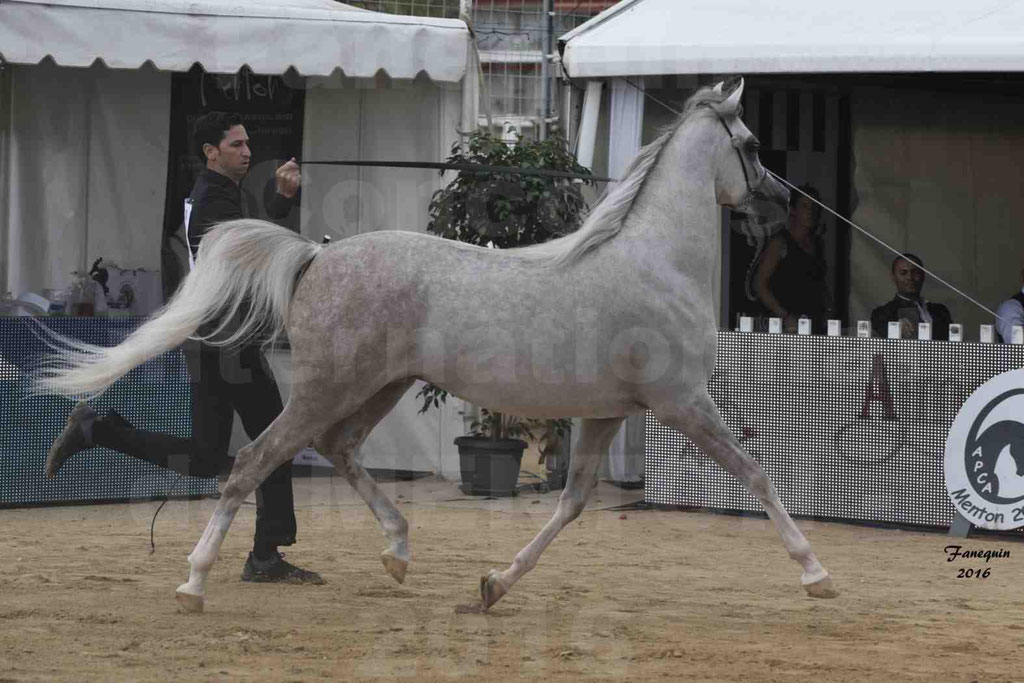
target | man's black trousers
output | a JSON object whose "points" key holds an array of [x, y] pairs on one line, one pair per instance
{"points": [[224, 382]]}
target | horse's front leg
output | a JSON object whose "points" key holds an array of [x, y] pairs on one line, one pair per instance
{"points": [[595, 438], [339, 445], [702, 423]]}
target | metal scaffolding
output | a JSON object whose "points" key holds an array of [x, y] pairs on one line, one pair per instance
{"points": [[518, 55]]}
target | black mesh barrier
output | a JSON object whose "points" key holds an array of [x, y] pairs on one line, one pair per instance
{"points": [[846, 428], [154, 396]]}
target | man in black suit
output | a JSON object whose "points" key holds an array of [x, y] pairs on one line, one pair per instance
{"points": [[908, 307], [224, 381]]}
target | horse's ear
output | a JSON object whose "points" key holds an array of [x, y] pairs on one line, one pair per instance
{"points": [[732, 103], [718, 87]]}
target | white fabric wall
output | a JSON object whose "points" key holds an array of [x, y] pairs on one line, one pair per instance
{"points": [[940, 175], [87, 168], [375, 121], [627, 116]]}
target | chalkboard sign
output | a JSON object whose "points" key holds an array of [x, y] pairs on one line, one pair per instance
{"points": [[272, 110]]}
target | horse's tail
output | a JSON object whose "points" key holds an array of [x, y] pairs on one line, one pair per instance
{"points": [[245, 265]]}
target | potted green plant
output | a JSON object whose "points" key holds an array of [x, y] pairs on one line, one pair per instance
{"points": [[503, 211]]}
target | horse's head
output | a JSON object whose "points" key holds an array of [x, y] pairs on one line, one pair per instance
{"points": [[741, 182]]}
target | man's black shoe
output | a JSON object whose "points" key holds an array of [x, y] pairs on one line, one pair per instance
{"points": [[276, 570], [77, 436]]}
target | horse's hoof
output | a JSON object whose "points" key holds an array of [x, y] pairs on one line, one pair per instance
{"points": [[394, 565], [822, 588], [491, 589], [188, 603]]}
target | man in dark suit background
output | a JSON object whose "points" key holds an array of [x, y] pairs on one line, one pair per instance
{"points": [[908, 307]]}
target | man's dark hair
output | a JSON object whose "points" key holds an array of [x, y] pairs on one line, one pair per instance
{"points": [[794, 197], [211, 128], [906, 257]]}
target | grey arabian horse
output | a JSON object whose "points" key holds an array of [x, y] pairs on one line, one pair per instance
{"points": [[611, 320]]}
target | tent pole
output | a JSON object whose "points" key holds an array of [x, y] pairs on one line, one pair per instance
{"points": [[471, 81], [6, 132], [545, 69]]}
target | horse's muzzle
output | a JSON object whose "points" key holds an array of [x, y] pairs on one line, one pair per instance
{"points": [[768, 202], [774, 191]]}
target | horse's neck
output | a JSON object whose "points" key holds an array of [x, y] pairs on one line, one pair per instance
{"points": [[674, 219]]}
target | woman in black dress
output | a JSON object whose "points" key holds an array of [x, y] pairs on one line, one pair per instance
{"points": [[790, 280]]}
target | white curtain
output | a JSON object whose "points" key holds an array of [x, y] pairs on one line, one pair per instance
{"points": [[86, 172], [627, 116], [938, 174]]}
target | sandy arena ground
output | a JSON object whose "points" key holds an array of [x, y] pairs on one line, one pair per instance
{"points": [[681, 596]]}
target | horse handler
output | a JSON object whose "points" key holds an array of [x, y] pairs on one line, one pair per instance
{"points": [[223, 382]]}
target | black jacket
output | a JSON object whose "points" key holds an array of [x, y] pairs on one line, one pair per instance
{"points": [[216, 198], [902, 308]]}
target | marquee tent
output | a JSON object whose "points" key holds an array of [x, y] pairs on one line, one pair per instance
{"points": [[85, 115], [932, 134], [928, 162], [651, 37], [269, 36]]}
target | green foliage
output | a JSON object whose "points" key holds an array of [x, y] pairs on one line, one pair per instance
{"points": [[507, 211]]}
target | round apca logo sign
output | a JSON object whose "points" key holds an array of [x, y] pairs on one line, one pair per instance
{"points": [[985, 454]]}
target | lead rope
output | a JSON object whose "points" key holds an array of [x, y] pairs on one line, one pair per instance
{"points": [[880, 241], [152, 525]]}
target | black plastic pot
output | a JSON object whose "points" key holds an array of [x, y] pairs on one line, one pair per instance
{"points": [[489, 468]]}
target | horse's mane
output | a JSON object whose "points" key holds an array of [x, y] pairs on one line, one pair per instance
{"points": [[607, 216]]}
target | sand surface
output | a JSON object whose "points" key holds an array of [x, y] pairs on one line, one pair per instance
{"points": [[618, 597]]}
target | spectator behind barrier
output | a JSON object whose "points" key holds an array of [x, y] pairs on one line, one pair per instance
{"points": [[908, 307], [790, 280], [1010, 313]]}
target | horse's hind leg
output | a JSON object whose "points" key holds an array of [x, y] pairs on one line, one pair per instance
{"points": [[285, 436], [339, 444], [595, 438], [701, 422]]}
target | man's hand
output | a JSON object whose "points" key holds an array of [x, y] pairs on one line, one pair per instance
{"points": [[289, 177]]}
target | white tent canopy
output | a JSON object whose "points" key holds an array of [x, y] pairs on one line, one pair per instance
{"points": [[652, 37], [270, 36]]}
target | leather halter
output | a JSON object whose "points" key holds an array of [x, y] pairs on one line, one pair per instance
{"points": [[753, 189]]}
